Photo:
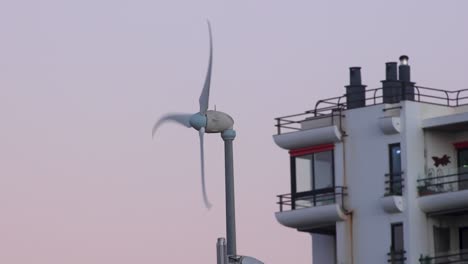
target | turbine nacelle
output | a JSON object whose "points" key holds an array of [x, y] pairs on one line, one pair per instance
{"points": [[212, 122], [218, 122]]}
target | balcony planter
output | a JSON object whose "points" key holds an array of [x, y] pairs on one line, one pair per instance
{"points": [[424, 190]]}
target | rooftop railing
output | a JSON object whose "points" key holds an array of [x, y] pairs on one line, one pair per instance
{"points": [[312, 198], [334, 106]]}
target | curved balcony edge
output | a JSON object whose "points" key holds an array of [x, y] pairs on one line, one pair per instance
{"points": [[311, 217], [392, 204], [447, 201], [308, 137]]}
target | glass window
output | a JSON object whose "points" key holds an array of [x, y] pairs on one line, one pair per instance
{"points": [[303, 173], [463, 169], [395, 169], [441, 239], [312, 172], [463, 238], [323, 170], [397, 237], [395, 158]]}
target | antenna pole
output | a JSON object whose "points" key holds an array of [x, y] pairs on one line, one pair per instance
{"points": [[221, 251], [228, 137]]}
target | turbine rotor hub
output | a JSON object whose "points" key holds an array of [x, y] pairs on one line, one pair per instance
{"points": [[198, 121]]}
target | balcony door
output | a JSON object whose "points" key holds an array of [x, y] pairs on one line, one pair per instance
{"points": [[463, 168]]}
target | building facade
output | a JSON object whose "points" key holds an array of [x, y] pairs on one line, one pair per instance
{"points": [[380, 175]]}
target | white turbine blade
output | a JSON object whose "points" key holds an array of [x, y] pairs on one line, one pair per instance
{"points": [[179, 118], [201, 133], [205, 94]]}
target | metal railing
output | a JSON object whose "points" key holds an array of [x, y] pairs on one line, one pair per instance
{"points": [[326, 108], [451, 182], [459, 257], [312, 198], [394, 184], [397, 257]]}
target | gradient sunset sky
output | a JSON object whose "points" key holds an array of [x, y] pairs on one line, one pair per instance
{"points": [[82, 83]]}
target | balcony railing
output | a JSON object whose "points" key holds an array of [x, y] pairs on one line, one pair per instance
{"points": [[459, 257], [334, 106], [394, 184], [451, 180], [312, 198], [397, 257]]}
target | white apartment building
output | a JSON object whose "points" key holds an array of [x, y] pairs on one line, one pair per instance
{"points": [[380, 175]]}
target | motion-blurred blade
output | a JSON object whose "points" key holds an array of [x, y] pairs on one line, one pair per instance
{"points": [[205, 94], [179, 118], [201, 133]]}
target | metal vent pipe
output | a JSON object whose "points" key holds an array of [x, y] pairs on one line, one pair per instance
{"points": [[355, 91]]}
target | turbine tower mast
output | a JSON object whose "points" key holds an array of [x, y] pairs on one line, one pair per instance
{"points": [[209, 121], [228, 137]]}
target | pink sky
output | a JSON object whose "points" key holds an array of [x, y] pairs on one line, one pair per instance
{"points": [[82, 83]]}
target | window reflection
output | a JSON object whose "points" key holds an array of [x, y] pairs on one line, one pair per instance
{"points": [[313, 179]]}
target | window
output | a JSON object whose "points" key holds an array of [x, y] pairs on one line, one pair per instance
{"points": [[463, 168], [312, 178], [441, 239], [395, 176], [463, 236], [397, 254], [397, 237]]}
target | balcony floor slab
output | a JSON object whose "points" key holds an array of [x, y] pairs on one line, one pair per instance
{"points": [[312, 217]]}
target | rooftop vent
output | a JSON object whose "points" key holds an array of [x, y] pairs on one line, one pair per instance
{"points": [[355, 91], [396, 88], [404, 72]]}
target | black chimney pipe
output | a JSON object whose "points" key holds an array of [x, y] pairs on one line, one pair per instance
{"points": [[391, 87], [355, 91], [404, 71], [391, 71]]}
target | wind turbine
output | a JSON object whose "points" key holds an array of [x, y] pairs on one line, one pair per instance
{"points": [[212, 121]]}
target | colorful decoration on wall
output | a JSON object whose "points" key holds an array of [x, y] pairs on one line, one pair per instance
{"points": [[444, 160]]}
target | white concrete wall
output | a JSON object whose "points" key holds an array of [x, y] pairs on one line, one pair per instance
{"points": [[323, 248], [415, 224], [367, 162]]}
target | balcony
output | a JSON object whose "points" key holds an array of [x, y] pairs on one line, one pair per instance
{"points": [[460, 257], [316, 210], [444, 193], [394, 184], [392, 202], [397, 257]]}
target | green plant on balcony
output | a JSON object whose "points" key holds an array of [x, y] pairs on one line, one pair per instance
{"points": [[425, 260]]}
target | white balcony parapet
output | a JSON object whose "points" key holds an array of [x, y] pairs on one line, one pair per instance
{"points": [[308, 137], [312, 217], [390, 125], [445, 192], [392, 204], [445, 121], [448, 201]]}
